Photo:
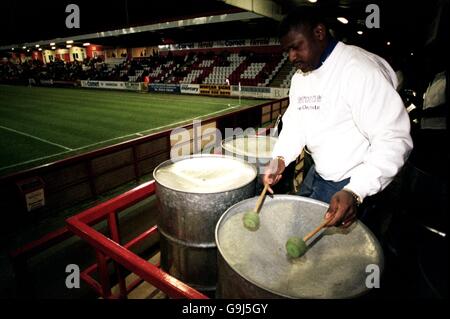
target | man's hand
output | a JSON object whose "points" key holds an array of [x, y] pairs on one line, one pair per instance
{"points": [[342, 209], [273, 171]]}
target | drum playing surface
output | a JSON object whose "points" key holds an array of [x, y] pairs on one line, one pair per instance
{"points": [[251, 146], [205, 174], [334, 265]]}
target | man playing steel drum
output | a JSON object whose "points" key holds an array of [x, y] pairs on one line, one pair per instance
{"points": [[344, 108]]}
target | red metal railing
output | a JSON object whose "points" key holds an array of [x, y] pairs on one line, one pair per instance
{"points": [[92, 174], [108, 249]]}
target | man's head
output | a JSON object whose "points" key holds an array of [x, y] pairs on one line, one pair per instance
{"points": [[304, 36]]}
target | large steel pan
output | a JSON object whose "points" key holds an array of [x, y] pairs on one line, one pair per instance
{"points": [[192, 194], [254, 149], [257, 150], [255, 264]]}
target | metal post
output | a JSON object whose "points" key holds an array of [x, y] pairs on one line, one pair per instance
{"points": [[239, 93]]}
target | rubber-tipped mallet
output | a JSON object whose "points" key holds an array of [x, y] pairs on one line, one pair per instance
{"points": [[296, 247], [251, 219]]}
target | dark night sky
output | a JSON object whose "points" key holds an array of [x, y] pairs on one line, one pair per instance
{"points": [[406, 23], [26, 21]]}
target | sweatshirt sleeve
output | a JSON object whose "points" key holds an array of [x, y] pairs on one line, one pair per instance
{"points": [[380, 115], [290, 140]]}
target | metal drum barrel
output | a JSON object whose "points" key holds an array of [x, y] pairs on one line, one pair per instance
{"points": [[192, 194], [254, 149], [256, 265]]}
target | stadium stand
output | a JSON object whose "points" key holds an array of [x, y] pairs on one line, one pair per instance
{"points": [[214, 67]]}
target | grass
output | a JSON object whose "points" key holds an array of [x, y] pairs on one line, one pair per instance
{"points": [[39, 125]]}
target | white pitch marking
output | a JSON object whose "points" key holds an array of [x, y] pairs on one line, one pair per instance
{"points": [[115, 138], [35, 137]]}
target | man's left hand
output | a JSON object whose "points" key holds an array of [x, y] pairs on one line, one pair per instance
{"points": [[342, 210]]}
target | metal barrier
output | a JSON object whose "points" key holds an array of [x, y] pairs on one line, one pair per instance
{"points": [[111, 249], [86, 176]]}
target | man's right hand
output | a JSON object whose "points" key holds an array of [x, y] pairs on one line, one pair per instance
{"points": [[273, 171]]}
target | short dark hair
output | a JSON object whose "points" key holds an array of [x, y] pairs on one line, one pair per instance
{"points": [[303, 16]]}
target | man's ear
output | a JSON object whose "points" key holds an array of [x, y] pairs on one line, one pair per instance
{"points": [[320, 32]]}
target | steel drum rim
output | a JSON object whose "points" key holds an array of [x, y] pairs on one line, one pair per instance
{"points": [[306, 199], [182, 158], [219, 248], [238, 152]]}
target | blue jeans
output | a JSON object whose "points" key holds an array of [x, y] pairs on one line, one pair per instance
{"points": [[316, 187]]}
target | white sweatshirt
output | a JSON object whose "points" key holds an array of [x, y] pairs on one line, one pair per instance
{"points": [[349, 115]]}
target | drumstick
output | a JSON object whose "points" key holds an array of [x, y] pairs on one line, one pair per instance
{"points": [[251, 219], [315, 231], [295, 246], [260, 198]]}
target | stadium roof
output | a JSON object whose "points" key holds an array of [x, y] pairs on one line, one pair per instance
{"points": [[41, 21], [153, 22]]}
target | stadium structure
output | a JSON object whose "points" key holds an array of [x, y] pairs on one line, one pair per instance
{"points": [[91, 94]]}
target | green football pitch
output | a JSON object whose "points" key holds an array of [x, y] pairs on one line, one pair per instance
{"points": [[40, 125]]}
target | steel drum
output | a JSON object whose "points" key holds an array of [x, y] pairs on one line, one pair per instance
{"points": [[255, 264], [192, 194], [254, 149]]}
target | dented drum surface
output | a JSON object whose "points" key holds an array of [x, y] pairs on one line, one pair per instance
{"points": [[192, 194], [254, 149], [255, 264]]}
